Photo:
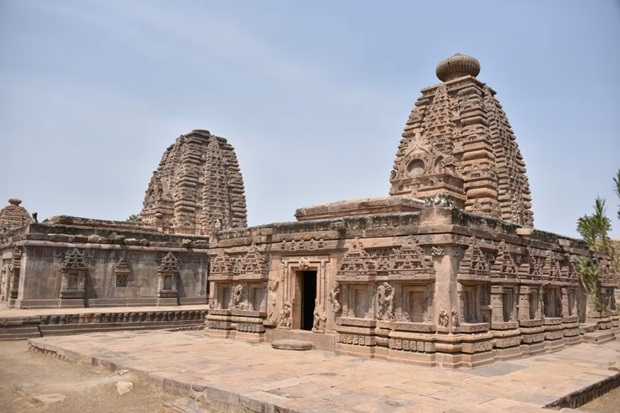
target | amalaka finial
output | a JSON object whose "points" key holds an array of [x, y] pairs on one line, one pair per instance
{"points": [[15, 201], [457, 66]]}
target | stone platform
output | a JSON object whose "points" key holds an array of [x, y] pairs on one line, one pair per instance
{"points": [[19, 324], [231, 376]]}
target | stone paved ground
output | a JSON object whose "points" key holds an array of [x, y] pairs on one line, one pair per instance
{"points": [[256, 376]]}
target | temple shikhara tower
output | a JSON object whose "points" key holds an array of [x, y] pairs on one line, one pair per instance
{"points": [[445, 270], [458, 141], [197, 187], [13, 215]]}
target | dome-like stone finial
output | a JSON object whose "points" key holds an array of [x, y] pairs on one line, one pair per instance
{"points": [[15, 201], [457, 66]]}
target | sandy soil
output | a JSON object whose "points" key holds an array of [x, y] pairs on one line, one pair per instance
{"points": [[608, 403], [27, 375]]}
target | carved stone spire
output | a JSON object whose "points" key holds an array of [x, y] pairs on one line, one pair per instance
{"points": [[13, 215], [197, 188], [458, 141]]}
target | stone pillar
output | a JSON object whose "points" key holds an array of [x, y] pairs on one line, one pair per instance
{"points": [[524, 303], [497, 304], [565, 303], [448, 345], [570, 319]]}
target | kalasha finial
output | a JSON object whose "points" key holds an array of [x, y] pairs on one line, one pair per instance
{"points": [[15, 201], [457, 66]]}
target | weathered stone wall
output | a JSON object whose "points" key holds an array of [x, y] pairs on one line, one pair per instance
{"points": [[111, 264], [436, 287]]}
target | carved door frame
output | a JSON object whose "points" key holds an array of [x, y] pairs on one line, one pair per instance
{"points": [[290, 266]]}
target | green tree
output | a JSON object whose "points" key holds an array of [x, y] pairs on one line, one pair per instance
{"points": [[617, 188], [594, 229], [132, 218]]}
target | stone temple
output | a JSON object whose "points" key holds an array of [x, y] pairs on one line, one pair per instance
{"points": [[196, 188], [445, 270]]}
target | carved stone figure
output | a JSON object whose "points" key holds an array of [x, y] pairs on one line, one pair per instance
{"points": [[333, 298], [455, 318], [318, 325], [444, 318], [285, 315], [237, 297], [273, 299], [385, 301], [217, 225]]}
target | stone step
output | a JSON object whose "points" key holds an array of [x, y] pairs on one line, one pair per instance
{"points": [[325, 342], [599, 337], [185, 405], [588, 328], [290, 344], [19, 336], [19, 332]]}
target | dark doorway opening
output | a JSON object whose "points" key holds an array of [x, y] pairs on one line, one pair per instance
{"points": [[307, 282]]}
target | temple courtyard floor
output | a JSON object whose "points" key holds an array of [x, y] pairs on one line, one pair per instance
{"points": [[191, 372]]}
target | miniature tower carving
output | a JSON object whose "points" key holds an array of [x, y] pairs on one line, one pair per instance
{"points": [[458, 141]]}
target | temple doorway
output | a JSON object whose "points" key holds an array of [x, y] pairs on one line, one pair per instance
{"points": [[306, 294]]}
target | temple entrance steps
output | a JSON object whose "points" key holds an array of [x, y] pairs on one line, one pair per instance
{"points": [[326, 342], [600, 331], [599, 336]]}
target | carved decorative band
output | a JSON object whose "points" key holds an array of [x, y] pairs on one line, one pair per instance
{"points": [[411, 345]]}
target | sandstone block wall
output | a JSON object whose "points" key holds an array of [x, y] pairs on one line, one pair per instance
{"points": [[66, 265]]}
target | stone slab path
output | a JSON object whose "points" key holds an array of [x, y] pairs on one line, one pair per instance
{"points": [[232, 376]]}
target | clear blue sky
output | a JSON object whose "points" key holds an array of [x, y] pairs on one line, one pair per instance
{"points": [[312, 94]]}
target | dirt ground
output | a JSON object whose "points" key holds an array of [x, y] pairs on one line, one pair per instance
{"points": [[608, 403], [32, 382]]}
